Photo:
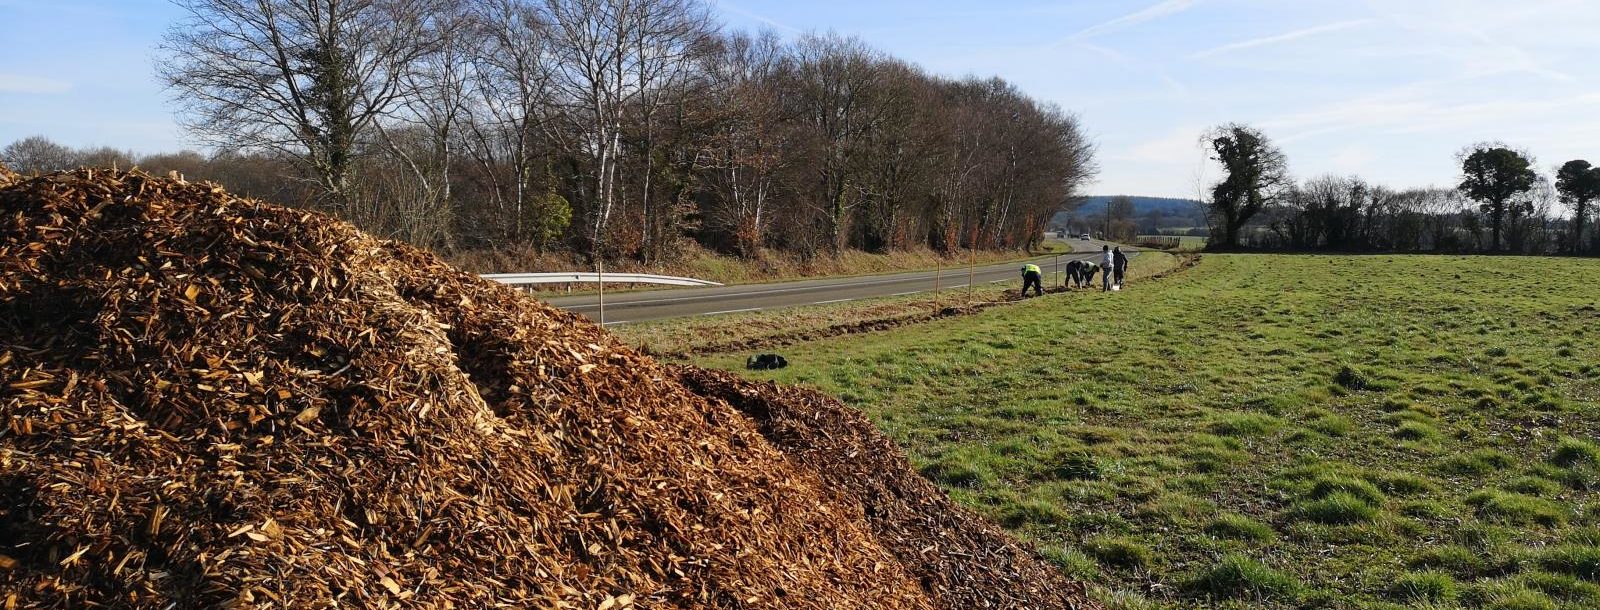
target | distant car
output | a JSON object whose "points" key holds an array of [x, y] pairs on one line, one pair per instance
{"points": [[1085, 236]]}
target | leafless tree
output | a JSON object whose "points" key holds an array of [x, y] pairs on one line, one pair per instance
{"points": [[37, 154], [610, 56], [308, 79], [746, 149], [509, 127], [834, 83]]}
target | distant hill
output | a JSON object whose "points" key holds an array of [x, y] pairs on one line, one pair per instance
{"points": [[1174, 212], [1169, 206]]}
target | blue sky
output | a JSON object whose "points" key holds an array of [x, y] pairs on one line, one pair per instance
{"points": [[1386, 89]]}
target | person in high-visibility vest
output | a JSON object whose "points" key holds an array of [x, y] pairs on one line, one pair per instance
{"points": [[1031, 276]]}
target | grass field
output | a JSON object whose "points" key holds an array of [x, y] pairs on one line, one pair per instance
{"points": [[1269, 431], [1186, 243]]}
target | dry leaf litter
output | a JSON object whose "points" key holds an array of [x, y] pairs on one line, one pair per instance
{"points": [[213, 402]]}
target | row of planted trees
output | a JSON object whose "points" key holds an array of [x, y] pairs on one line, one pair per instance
{"points": [[1501, 204], [624, 128]]}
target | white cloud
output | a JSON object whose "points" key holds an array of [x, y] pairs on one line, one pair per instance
{"points": [[1281, 38], [1353, 159], [1180, 146], [1151, 13], [21, 83]]}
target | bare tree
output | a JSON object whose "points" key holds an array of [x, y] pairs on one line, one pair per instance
{"points": [[610, 56], [509, 124], [835, 79], [304, 78], [745, 152], [37, 155]]}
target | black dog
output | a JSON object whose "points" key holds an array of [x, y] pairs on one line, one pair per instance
{"points": [[765, 362]]}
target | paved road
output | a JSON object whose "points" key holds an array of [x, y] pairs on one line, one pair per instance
{"points": [[627, 307]]}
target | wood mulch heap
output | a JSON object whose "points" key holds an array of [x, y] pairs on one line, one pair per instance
{"points": [[207, 400]]}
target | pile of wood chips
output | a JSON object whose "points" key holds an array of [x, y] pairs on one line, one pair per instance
{"points": [[210, 401]]}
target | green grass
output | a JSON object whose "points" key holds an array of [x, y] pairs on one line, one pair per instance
{"points": [[1239, 527], [1573, 452], [1433, 587], [1240, 577], [1275, 431]]}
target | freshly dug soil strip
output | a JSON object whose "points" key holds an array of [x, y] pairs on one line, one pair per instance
{"points": [[207, 400]]}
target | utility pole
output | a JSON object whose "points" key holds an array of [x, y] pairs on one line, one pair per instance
{"points": [[1106, 236]]}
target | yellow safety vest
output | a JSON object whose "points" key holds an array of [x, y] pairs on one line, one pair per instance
{"points": [[1026, 269]]}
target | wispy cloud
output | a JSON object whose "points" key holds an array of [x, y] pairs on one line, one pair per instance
{"points": [[1281, 38], [1151, 13], [35, 85], [735, 9]]}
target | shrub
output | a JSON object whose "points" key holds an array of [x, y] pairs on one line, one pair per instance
{"points": [[1117, 551], [1435, 587], [1239, 577], [1338, 508], [1572, 452], [1515, 508], [1239, 527]]}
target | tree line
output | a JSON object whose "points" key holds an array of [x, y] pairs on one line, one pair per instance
{"points": [[616, 128], [1501, 204]]}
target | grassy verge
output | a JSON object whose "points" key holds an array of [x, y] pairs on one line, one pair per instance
{"points": [[773, 267], [1269, 431], [679, 338]]}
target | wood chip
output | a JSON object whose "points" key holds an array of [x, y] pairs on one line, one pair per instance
{"points": [[212, 401]]}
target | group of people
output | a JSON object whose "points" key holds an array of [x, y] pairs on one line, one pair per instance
{"points": [[1113, 266]]}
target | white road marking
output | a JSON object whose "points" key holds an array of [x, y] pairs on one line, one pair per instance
{"points": [[833, 301], [718, 313], [901, 294], [619, 322]]}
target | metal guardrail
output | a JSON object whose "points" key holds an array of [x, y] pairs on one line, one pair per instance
{"points": [[524, 279]]}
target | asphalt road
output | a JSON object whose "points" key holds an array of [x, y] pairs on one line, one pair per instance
{"points": [[628, 307]]}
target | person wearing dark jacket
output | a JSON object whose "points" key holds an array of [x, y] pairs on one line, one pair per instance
{"points": [[1119, 261]]}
